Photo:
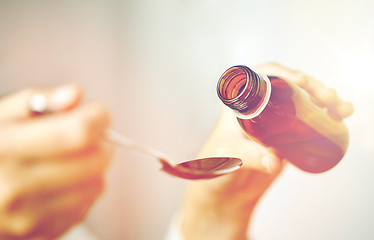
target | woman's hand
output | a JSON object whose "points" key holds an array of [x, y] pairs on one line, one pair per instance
{"points": [[221, 208], [51, 166]]}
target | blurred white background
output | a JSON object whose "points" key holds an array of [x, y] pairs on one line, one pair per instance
{"points": [[156, 63]]}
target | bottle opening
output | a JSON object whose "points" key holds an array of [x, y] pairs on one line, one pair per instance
{"points": [[233, 83], [244, 91]]}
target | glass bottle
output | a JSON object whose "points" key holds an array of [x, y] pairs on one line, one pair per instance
{"points": [[279, 114]]}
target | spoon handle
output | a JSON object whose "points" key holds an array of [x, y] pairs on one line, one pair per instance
{"points": [[119, 139], [38, 105]]}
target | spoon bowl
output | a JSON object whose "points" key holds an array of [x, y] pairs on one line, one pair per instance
{"points": [[202, 168]]}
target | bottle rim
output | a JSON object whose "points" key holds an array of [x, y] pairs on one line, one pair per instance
{"points": [[237, 98], [264, 102]]}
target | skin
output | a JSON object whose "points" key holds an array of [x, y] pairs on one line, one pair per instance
{"points": [[221, 208], [51, 166]]}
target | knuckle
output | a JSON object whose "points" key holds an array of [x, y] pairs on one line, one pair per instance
{"points": [[331, 92], [100, 186], [10, 197], [346, 109], [86, 126], [72, 135], [334, 114], [301, 79], [269, 65], [16, 222], [328, 95], [95, 115], [81, 133], [100, 113], [22, 225], [28, 91], [274, 64]]}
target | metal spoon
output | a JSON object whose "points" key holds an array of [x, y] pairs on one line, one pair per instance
{"points": [[202, 168]]}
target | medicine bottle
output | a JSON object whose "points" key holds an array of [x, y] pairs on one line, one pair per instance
{"points": [[278, 114]]}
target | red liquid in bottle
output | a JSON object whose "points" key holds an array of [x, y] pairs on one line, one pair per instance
{"points": [[289, 122]]}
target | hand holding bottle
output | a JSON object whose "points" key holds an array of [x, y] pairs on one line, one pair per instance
{"points": [[221, 208], [320, 94], [51, 166]]}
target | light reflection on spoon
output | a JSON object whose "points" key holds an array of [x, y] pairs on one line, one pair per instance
{"points": [[202, 168]]}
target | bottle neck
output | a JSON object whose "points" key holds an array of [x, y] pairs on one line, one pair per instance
{"points": [[244, 91]]}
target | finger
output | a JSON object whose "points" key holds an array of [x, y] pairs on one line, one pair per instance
{"points": [[322, 95], [54, 176], [49, 215], [345, 109], [319, 93], [55, 134], [80, 197], [227, 138], [68, 209], [260, 158], [60, 99], [65, 173], [299, 78], [314, 87], [253, 155], [337, 108], [17, 106], [275, 69]]}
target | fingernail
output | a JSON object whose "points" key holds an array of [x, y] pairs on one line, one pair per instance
{"points": [[61, 98]]}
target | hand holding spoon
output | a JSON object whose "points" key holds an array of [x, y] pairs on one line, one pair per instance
{"points": [[203, 168]]}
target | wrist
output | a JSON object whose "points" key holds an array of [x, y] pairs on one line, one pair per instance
{"points": [[210, 216]]}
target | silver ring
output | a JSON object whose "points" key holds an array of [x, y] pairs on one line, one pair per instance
{"points": [[38, 103]]}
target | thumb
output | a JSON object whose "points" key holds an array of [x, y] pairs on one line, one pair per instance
{"points": [[25, 103], [258, 157]]}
